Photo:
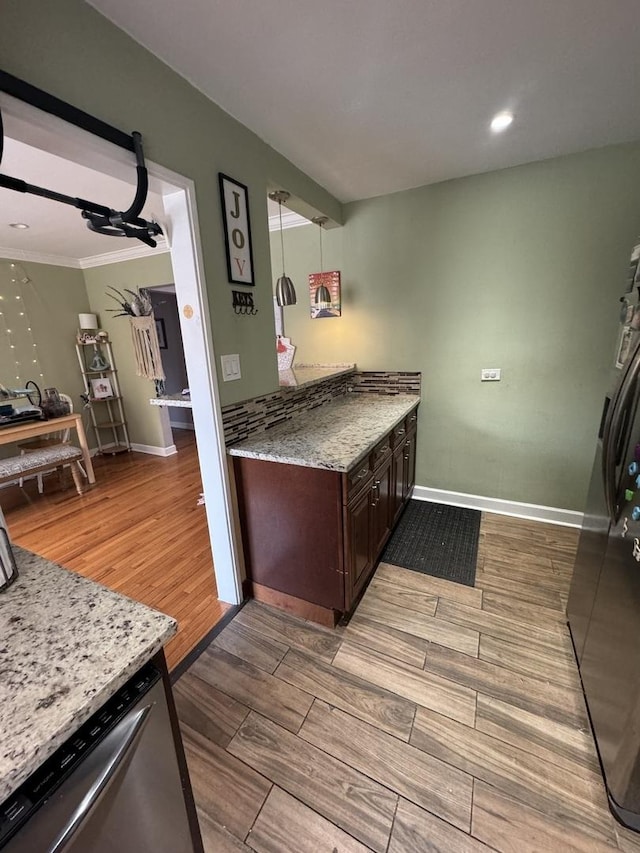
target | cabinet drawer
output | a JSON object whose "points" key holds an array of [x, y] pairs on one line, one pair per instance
{"points": [[381, 452], [358, 478], [411, 421], [398, 434]]}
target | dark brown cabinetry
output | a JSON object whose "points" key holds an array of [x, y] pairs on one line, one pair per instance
{"points": [[312, 537], [358, 552]]}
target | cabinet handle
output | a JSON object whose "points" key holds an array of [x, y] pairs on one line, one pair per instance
{"points": [[413, 418], [384, 450], [362, 474], [374, 502], [407, 458], [401, 432]]}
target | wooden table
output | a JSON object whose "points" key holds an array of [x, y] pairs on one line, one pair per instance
{"points": [[24, 431]]}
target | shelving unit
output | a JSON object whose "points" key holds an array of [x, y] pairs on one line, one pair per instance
{"points": [[107, 413]]}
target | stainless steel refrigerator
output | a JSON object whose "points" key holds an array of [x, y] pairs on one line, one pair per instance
{"points": [[604, 601]]}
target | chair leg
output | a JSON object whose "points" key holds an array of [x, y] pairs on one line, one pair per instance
{"points": [[75, 473]]}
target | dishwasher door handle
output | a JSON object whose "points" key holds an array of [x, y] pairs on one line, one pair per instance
{"points": [[126, 733]]}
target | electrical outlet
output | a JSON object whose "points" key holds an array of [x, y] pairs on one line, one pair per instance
{"points": [[490, 374], [230, 367]]}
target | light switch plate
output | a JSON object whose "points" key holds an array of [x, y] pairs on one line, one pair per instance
{"points": [[230, 367], [490, 374]]}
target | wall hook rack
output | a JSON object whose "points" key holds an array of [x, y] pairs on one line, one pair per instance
{"points": [[243, 303]]}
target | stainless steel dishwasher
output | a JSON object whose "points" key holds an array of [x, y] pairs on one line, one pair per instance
{"points": [[114, 787]]}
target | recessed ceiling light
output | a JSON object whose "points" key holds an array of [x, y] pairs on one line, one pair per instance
{"points": [[501, 121], [20, 225]]}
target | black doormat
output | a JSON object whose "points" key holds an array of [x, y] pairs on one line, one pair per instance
{"points": [[437, 540]]}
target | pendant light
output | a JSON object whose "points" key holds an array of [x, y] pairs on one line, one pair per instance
{"points": [[322, 296], [285, 291]]}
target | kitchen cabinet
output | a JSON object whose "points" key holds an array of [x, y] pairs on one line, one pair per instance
{"points": [[86, 696], [312, 537], [358, 552]]}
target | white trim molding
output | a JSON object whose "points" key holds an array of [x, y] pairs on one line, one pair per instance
{"points": [[128, 254], [21, 255], [533, 512], [290, 219], [153, 450]]}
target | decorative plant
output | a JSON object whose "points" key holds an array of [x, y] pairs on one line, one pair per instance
{"points": [[146, 349], [138, 305]]}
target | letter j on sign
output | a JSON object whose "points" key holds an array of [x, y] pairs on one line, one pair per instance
{"points": [[237, 230]]}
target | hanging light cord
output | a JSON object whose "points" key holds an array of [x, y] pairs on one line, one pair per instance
{"points": [[321, 263], [281, 237]]}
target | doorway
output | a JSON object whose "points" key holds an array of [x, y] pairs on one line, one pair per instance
{"points": [[55, 136]]}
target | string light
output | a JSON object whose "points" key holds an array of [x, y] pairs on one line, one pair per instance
{"points": [[16, 331]]}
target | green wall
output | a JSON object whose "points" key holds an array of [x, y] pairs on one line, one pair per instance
{"points": [[519, 269], [143, 420], [69, 50], [52, 300]]}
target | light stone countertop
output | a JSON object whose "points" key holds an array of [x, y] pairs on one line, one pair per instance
{"points": [[66, 645], [334, 436], [180, 401]]}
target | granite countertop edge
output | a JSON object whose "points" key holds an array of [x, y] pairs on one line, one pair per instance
{"points": [[40, 728], [249, 448]]}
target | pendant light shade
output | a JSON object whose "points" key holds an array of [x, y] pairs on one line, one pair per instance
{"points": [[285, 291], [323, 297]]}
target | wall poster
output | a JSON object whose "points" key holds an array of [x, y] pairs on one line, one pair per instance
{"points": [[237, 230], [324, 294]]}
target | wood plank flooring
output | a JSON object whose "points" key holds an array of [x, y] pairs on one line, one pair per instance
{"points": [[138, 531], [442, 718]]}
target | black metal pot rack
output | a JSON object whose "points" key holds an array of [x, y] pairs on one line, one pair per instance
{"points": [[100, 218]]}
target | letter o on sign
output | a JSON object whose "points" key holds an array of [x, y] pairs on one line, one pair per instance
{"points": [[238, 238]]}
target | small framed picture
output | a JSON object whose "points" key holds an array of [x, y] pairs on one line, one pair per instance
{"points": [[324, 294], [101, 388], [161, 332], [234, 197], [8, 567]]}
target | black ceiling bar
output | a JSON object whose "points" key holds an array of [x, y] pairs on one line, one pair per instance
{"points": [[99, 218], [23, 187], [50, 104]]}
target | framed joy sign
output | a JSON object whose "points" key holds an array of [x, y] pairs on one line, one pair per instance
{"points": [[237, 230]]}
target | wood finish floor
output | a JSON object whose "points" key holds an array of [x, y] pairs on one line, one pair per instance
{"points": [[138, 531], [442, 718]]}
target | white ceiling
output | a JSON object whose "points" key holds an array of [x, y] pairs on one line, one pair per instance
{"points": [[57, 233], [374, 96]]}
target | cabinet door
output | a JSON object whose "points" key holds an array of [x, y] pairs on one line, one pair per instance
{"points": [[409, 468], [397, 482], [358, 560], [383, 505]]}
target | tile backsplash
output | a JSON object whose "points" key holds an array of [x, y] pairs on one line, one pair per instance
{"points": [[240, 420], [387, 382]]}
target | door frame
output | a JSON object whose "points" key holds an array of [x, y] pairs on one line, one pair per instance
{"points": [[50, 133]]}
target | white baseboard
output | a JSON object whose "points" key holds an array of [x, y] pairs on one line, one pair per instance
{"points": [[151, 449], [534, 512]]}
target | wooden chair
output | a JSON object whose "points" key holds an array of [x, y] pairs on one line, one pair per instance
{"points": [[50, 440]]}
